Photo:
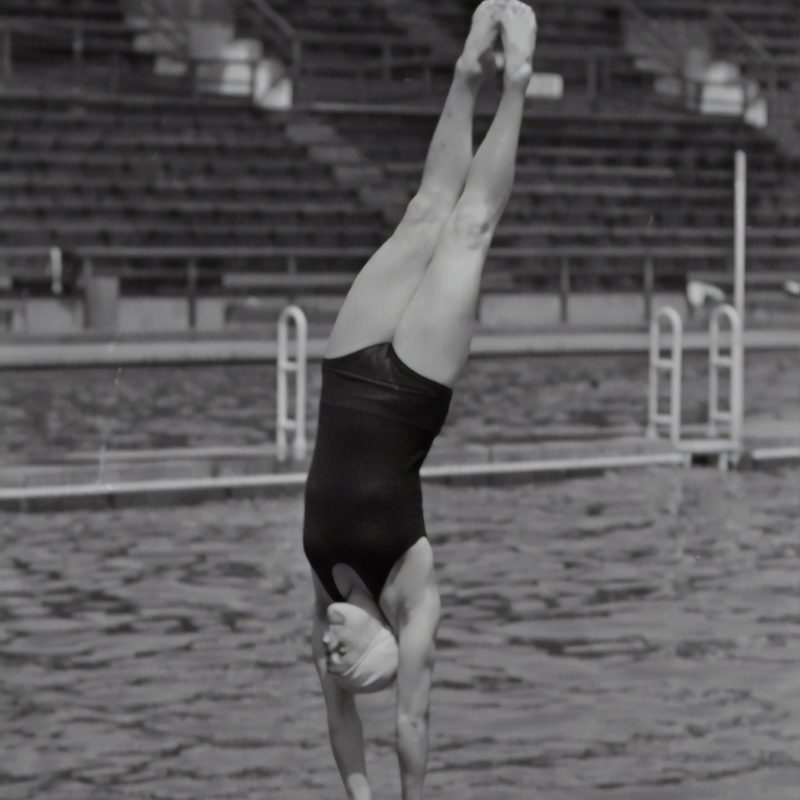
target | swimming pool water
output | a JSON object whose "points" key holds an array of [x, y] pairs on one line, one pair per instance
{"points": [[53, 412], [632, 636]]}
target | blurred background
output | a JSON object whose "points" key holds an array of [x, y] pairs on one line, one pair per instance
{"points": [[192, 165], [174, 173]]}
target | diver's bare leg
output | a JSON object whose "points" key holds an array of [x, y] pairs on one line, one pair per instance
{"points": [[434, 332], [383, 288]]}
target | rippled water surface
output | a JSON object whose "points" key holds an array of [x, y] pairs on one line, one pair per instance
{"points": [[633, 636], [58, 411]]}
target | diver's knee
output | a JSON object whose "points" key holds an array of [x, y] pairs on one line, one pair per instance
{"points": [[429, 208], [472, 224]]}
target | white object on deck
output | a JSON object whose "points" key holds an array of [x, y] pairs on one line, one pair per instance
{"points": [[56, 269], [548, 85], [296, 366], [775, 454], [672, 364], [792, 288], [699, 293]]}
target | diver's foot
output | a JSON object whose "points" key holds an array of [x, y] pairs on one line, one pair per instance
{"points": [[477, 60], [518, 30]]}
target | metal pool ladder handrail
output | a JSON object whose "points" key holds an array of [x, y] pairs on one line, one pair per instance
{"points": [[673, 364], [731, 362], [296, 366]]}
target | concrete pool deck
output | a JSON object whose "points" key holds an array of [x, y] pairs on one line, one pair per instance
{"points": [[192, 475], [84, 351]]}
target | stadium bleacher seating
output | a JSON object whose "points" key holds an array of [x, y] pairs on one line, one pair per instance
{"points": [[123, 172], [597, 23], [774, 23], [86, 11], [48, 31], [141, 171], [344, 16], [599, 180], [340, 39], [561, 22]]}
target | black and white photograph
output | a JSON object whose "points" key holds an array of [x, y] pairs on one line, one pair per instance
{"points": [[399, 399]]}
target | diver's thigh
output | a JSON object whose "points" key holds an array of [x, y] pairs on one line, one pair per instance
{"points": [[412, 577]]}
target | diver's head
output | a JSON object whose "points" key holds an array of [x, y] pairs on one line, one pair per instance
{"points": [[361, 648]]}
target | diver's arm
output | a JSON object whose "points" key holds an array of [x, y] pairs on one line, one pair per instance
{"points": [[344, 724], [416, 652]]}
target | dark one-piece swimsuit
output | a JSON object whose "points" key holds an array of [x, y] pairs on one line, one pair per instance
{"points": [[363, 503]]}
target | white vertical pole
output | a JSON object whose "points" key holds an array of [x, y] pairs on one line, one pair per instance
{"points": [[737, 383], [282, 423], [739, 243], [652, 389], [713, 371], [301, 359], [676, 380], [740, 265]]}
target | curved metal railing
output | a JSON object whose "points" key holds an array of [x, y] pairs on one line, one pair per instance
{"points": [[730, 361], [673, 366], [287, 366]]}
